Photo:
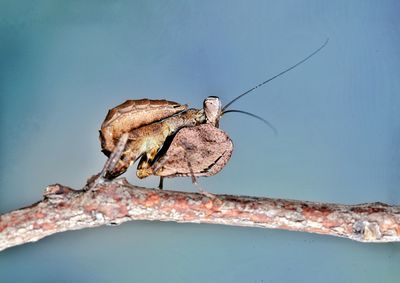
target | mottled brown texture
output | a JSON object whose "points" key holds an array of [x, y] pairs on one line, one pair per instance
{"points": [[203, 150], [109, 203], [149, 124], [147, 140], [133, 114]]}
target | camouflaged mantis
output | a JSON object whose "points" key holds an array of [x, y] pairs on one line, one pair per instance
{"points": [[170, 139]]}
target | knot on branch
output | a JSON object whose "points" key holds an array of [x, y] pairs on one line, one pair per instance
{"points": [[58, 193], [368, 231]]}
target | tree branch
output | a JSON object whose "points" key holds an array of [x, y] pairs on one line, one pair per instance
{"points": [[115, 202]]}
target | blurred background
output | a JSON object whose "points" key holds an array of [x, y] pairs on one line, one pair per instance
{"points": [[63, 64]]}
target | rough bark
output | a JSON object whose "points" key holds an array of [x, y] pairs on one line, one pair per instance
{"points": [[114, 202]]}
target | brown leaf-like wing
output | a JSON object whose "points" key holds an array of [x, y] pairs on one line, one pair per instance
{"points": [[203, 150], [133, 114]]}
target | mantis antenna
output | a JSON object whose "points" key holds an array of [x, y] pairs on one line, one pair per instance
{"points": [[254, 116], [277, 75]]}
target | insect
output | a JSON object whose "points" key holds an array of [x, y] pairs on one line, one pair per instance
{"points": [[171, 139], [146, 138]]}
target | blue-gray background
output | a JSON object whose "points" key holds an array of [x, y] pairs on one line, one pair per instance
{"points": [[63, 64]]}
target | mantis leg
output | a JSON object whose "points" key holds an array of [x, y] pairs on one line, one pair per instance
{"points": [[144, 168]]}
